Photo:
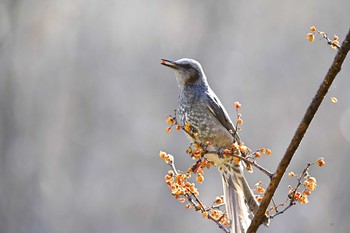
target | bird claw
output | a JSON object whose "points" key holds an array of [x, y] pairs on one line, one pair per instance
{"points": [[196, 166], [220, 152]]}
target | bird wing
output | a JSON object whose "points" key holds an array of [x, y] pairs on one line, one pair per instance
{"points": [[217, 109]]}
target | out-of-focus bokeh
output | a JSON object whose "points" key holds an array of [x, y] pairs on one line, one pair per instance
{"points": [[83, 99]]}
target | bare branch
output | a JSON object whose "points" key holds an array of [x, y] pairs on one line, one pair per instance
{"points": [[282, 211], [300, 132]]}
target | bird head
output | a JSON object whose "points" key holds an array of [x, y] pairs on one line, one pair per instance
{"points": [[187, 71]]}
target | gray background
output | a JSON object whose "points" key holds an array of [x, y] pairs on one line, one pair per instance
{"points": [[83, 99]]}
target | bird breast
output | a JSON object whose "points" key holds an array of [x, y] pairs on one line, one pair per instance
{"points": [[196, 112]]}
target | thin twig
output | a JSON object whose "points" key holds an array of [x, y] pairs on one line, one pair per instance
{"points": [[221, 226], [282, 211], [196, 201], [300, 132], [329, 41], [292, 200], [172, 165], [254, 163], [218, 206]]}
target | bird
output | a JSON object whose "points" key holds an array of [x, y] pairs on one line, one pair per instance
{"points": [[199, 107]]}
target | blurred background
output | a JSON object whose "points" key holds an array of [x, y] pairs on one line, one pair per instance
{"points": [[83, 99]]}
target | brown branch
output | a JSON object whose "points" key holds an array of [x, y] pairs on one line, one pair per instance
{"points": [[196, 201], [172, 165], [293, 200], [284, 210], [252, 162], [329, 41], [300, 132]]}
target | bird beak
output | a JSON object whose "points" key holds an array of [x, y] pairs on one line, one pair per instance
{"points": [[169, 63]]}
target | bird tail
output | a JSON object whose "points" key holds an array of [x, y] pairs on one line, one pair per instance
{"points": [[240, 201]]}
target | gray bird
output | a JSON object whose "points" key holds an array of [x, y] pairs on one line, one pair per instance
{"points": [[199, 106]]}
